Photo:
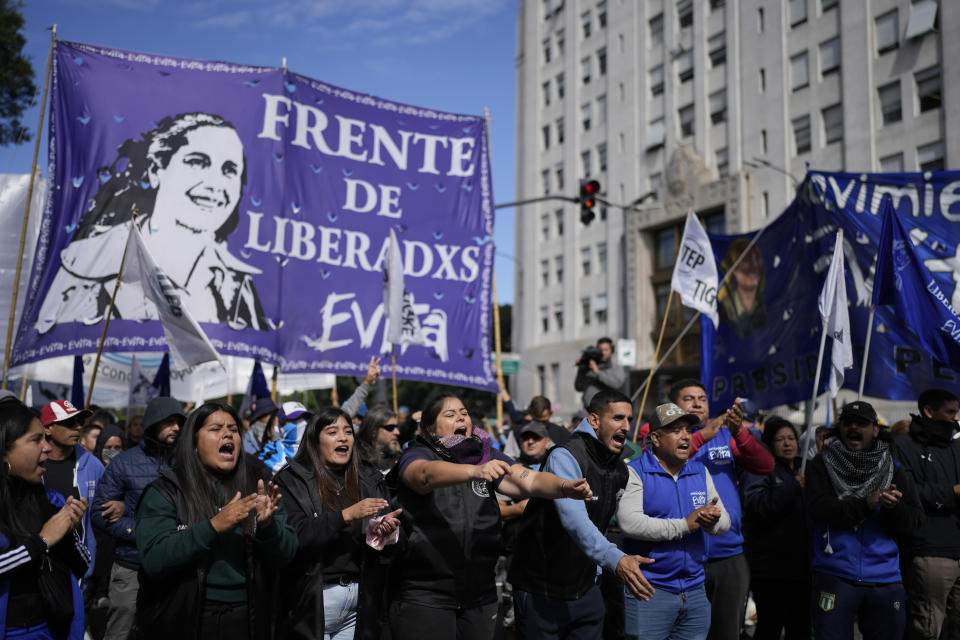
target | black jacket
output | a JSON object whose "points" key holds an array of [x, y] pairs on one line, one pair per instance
{"points": [[932, 458], [453, 541], [318, 528], [775, 533], [546, 560]]}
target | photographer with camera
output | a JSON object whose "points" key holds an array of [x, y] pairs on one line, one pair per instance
{"points": [[596, 371]]}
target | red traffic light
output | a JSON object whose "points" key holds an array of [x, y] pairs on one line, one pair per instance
{"points": [[588, 192]]}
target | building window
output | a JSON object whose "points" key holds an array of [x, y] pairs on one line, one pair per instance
{"points": [[555, 376], [723, 162], [718, 49], [558, 267], [763, 141], [602, 109], [545, 174], [601, 308], [545, 226], [602, 157], [656, 80], [715, 223], [561, 41], [829, 56], [558, 315], [685, 66], [928, 88], [892, 163], [602, 257], [718, 106], [888, 32], [930, 157], [656, 134], [833, 124], [585, 158], [603, 213], [666, 248], [546, 136], [798, 12], [602, 61], [826, 5], [546, 93], [560, 86], [585, 23], [546, 50], [717, 4], [762, 80], [685, 13], [656, 179], [801, 134], [585, 310], [760, 20], [602, 14], [656, 30], [547, 9], [544, 272], [890, 102], [545, 326], [559, 130], [542, 377], [765, 204], [560, 180], [585, 261], [686, 115], [661, 294], [585, 111], [799, 71], [558, 214], [585, 67]]}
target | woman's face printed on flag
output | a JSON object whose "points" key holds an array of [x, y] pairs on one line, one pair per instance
{"points": [[200, 186]]}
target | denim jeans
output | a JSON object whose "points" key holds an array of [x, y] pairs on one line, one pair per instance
{"points": [[340, 611], [678, 616]]}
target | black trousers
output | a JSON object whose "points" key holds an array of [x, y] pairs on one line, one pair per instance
{"points": [[224, 621], [781, 605], [415, 622], [543, 618]]}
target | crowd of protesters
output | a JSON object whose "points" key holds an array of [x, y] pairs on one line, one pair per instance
{"points": [[337, 523]]}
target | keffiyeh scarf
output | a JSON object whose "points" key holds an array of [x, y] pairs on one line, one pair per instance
{"points": [[858, 473]]}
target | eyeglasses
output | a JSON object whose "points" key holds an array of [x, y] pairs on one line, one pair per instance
{"points": [[390, 427]]}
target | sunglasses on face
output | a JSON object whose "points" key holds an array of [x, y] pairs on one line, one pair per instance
{"points": [[389, 427]]}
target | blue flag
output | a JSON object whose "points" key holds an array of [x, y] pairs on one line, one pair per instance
{"points": [[162, 380], [903, 281], [76, 390], [256, 388]]}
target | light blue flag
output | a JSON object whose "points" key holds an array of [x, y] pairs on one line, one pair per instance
{"points": [[904, 282]]}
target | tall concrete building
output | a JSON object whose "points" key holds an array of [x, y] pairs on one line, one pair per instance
{"points": [[711, 105]]}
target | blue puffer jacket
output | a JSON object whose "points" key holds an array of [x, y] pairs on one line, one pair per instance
{"points": [[125, 479], [679, 563]]}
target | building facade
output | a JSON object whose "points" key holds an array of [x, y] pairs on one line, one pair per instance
{"points": [[717, 106]]}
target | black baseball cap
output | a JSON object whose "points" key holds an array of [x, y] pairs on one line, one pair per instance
{"points": [[859, 409]]}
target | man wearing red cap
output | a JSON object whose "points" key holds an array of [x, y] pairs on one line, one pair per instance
{"points": [[70, 469]]}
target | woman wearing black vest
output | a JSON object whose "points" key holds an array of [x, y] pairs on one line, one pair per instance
{"points": [[443, 582], [334, 586], [210, 535]]}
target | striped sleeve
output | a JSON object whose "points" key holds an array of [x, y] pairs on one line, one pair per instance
{"points": [[81, 547], [13, 558]]}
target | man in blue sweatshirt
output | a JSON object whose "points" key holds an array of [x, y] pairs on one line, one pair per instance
{"points": [[860, 501], [560, 544]]}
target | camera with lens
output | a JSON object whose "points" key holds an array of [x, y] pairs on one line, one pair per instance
{"points": [[590, 354]]}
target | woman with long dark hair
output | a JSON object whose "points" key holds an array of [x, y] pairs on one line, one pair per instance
{"points": [[336, 590], [447, 482], [775, 538], [210, 535], [41, 556], [183, 181]]}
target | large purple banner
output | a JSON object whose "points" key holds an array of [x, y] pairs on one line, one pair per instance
{"points": [[268, 199]]}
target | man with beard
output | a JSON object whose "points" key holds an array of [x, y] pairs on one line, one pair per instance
{"points": [[931, 456], [70, 469], [561, 547], [116, 500], [378, 439], [669, 504], [860, 501]]}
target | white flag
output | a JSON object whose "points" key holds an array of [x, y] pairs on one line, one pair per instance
{"points": [[142, 390], [695, 271], [836, 317], [403, 326], [186, 341]]}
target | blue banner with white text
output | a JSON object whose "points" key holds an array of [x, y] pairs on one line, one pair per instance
{"points": [[766, 345], [267, 198]]}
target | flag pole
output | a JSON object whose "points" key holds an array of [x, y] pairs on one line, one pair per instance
{"points": [[393, 374], [813, 398], [23, 388], [496, 306], [656, 355], [866, 352], [26, 214], [273, 383], [113, 298]]}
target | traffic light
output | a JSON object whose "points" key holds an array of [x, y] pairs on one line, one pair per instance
{"points": [[588, 199]]}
